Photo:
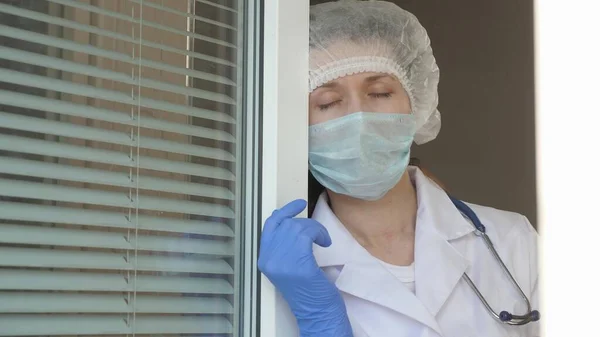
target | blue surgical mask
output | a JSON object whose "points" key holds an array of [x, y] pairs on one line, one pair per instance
{"points": [[363, 154]]}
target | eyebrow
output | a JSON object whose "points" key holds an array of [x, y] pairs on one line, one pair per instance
{"points": [[375, 78], [369, 79], [329, 85]]}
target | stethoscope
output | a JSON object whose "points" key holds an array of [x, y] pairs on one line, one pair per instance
{"points": [[504, 317]]}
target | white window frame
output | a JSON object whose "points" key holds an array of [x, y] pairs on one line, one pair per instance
{"points": [[250, 42], [284, 133]]}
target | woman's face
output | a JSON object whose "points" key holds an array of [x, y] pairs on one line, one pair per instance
{"points": [[366, 92]]}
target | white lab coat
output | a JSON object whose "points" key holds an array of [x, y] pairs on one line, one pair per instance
{"points": [[379, 305]]}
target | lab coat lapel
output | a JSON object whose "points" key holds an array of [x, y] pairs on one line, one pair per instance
{"points": [[438, 265], [373, 283], [438, 268]]}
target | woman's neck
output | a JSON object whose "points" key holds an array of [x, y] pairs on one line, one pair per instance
{"points": [[385, 227]]}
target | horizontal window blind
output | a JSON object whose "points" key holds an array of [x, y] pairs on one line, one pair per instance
{"points": [[120, 157]]}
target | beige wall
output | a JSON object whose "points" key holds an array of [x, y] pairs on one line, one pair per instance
{"points": [[485, 152]]}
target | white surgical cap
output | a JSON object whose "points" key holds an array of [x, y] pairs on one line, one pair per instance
{"points": [[349, 37]]}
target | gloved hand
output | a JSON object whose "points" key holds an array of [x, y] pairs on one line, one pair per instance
{"points": [[286, 258]]}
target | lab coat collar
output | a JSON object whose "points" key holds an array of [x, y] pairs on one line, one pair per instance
{"points": [[438, 266], [435, 206]]}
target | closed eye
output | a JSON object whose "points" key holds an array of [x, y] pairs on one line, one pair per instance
{"points": [[381, 95], [324, 107]]}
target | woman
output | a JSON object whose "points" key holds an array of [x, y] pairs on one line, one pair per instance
{"points": [[391, 247]]}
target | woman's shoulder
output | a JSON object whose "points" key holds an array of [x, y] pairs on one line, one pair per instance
{"points": [[504, 225], [514, 238]]}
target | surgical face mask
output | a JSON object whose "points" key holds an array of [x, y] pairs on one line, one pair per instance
{"points": [[363, 154]]}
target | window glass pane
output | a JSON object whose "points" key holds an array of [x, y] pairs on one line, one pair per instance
{"points": [[122, 148]]}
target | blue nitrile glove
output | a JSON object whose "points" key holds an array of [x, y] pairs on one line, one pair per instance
{"points": [[286, 258]]}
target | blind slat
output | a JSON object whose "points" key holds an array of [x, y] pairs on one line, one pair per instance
{"points": [[63, 237], [207, 2], [129, 18], [52, 41], [102, 32], [12, 279], [79, 110], [57, 325], [69, 259], [40, 191], [68, 151], [40, 125], [28, 303], [88, 217], [34, 168], [77, 68], [52, 84], [187, 15]]}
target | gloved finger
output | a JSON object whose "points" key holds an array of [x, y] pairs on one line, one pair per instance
{"points": [[288, 211], [316, 232]]}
